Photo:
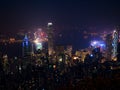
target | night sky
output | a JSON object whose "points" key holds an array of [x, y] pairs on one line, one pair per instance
{"points": [[67, 16]]}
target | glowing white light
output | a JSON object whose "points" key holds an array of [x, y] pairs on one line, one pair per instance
{"points": [[91, 55], [20, 68], [114, 31], [75, 58], [54, 66], [49, 24], [60, 59], [102, 45], [94, 42], [38, 46], [36, 41]]}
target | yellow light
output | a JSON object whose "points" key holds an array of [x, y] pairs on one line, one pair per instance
{"points": [[60, 59], [75, 58], [114, 58], [36, 41], [54, 66]]}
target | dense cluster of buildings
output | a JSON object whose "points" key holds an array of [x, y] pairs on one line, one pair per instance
{"points": [[33, 43], [35, 53]]}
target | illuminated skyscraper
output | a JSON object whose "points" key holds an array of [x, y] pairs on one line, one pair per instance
{"points": [[26, 47], [118, 31], [115, 43], [112, 41], [50, 39], [118, 43]]}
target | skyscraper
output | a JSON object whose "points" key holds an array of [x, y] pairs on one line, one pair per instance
{"points": [[50, 39], [115, 43], [26, 47], [118, 43]]}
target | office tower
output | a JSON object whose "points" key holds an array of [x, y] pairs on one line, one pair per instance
{"points": [[115, 43], [50, 39], [26, 46]]}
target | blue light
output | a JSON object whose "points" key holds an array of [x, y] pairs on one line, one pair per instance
{"points": [[91, 55], [26, 43], [23, 44], [94, 43], [25, 38], [98, 44], [102, 45]]}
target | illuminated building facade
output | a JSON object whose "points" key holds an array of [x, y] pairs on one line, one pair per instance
{"points": [[112, 41], [98, 44], [38, 44], [82, 54], [50, 39], [118, 47], [26, 46], [115, 43]]}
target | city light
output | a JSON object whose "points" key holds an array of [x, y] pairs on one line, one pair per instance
{"points": [[49, 24], [38, 46], [40, 37], [102, 45], [75, 57], [60, 60], [97, 44], [114, 31], [94, 43], [67, 45], [91, 55], [54, 66], [36, 41]]}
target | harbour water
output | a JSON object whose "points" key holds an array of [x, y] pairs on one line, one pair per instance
{"points": [[11, 49]]}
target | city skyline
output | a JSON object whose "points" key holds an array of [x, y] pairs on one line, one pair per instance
{"points": [[59, 44], [70, 18]]}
